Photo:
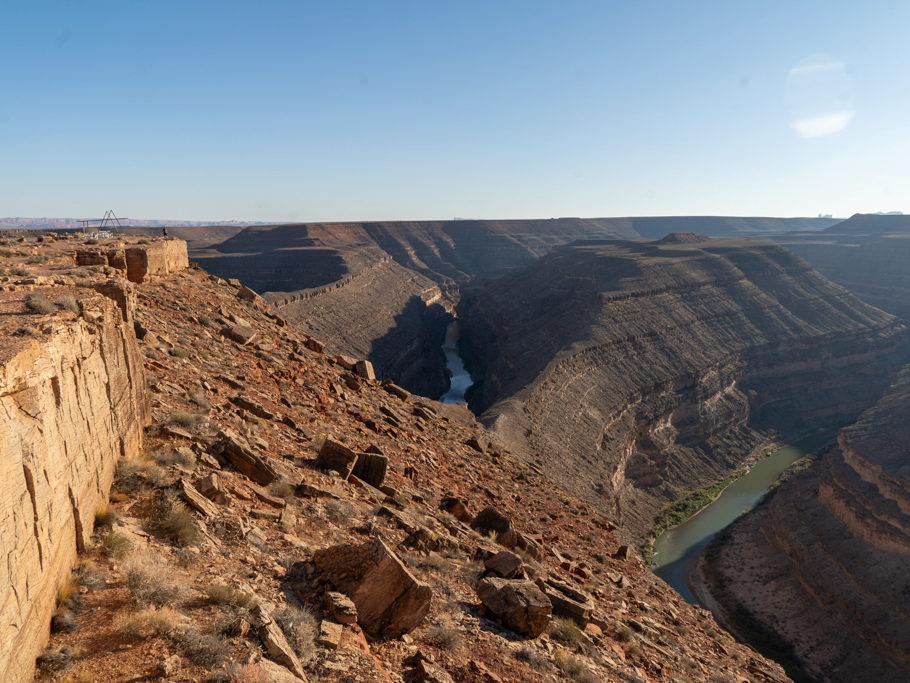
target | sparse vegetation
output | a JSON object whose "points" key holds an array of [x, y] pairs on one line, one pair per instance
{"points": [[38, 304], [222, 594], [20, 271], [531, 657], [205, 649], [574, 668], [299, 627], [339, 512], [105, 515], [150, 584], [147, 623], [54, 660], [188, 420], [567, 631], [69, 303], [176, 523], [179, 352], [282, 489], [445, 635]]}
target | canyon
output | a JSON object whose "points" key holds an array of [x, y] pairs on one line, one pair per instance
{"points": [[633, 372], [277, 513], [817, 574], [612, 375]]}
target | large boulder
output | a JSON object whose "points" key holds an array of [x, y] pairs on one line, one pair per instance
{"points": [[491, 520], [338, 457], [521, 605], [389, 600]]}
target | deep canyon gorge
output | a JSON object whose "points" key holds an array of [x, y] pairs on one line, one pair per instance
{"points": [[618, 364]]}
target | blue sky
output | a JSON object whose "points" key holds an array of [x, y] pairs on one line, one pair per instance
{"points": [[342, 110]]}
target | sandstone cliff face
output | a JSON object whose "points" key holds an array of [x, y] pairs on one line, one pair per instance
{"points": [[633, 372], [820, 570], [72, 401]]}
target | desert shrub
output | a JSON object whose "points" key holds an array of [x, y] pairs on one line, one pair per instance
{"points": [[566, 630], [445, 635], [91, 240], [66, 590], [222, 594], [147, 623], [188, 420], [63, 621], [53, 660], [91, 576], [150, 584], [171, 456], [531, 657], [235, 672], [472, 572], [176, 523], [339, 512], [623, 634], [116, 545], [299, 627], [574, 668], [20, 271], [68, 303], [6, 253], [38, 304], [436, 562], [105, 515], [37, 258], [205, 649], [282, 489], [178, 352]]}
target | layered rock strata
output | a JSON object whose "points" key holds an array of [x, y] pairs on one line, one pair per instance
{"points": [[72, 401], [819, 572], [633, 372]]}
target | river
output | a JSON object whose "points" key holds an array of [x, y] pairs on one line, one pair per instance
{"points": [[460, 380], [677, 548]]}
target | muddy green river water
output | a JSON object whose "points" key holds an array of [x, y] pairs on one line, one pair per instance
{"points": [[676, 549]]}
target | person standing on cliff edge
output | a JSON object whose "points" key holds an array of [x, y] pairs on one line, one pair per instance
{"points": [[164, 231]]}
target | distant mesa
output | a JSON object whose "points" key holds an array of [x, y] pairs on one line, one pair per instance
{"points": [[683, 238]]}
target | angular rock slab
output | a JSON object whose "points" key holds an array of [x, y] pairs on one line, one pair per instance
{"points": [[521, 605], [235, 449], [390, 601], [338, 457]]}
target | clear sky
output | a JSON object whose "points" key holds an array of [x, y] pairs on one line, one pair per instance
{"points": [[343, 110]]}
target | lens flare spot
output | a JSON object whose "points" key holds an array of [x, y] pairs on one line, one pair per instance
{"points": [[819, 97]]}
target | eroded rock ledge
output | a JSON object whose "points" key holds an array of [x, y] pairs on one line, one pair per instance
{"points": [[72, 401]]}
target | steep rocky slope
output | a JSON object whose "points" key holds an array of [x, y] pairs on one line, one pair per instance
{"points": [[232, 533], [632, 372], [819, 572]]}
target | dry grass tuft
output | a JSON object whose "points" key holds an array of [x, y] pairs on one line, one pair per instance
{"points": [[151, 584], [69, 303], [38, 304], [299, 627], [221, 594], [147, 623]]}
